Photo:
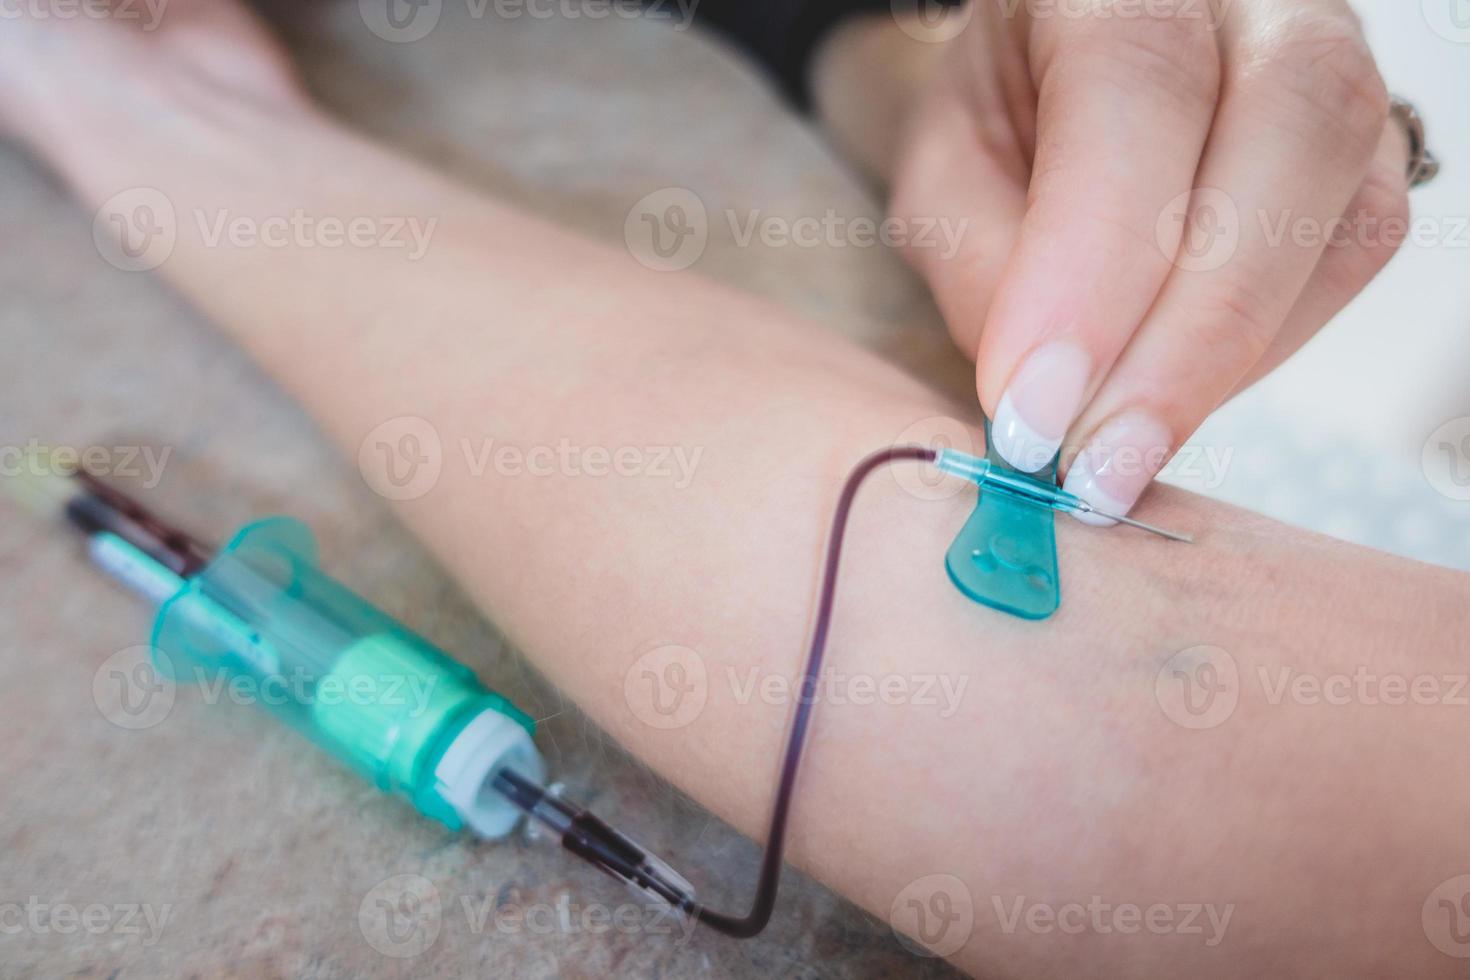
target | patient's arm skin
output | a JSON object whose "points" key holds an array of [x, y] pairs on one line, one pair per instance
{"points": [[1058, 778]]}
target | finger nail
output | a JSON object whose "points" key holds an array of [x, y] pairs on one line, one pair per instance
{"points": [[1039, 405], [1119, 462]]}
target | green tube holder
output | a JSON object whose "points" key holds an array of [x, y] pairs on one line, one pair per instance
{"points": [[407, 716]]}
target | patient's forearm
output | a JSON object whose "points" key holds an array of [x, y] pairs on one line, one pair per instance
{"points": [[1045, 772]]}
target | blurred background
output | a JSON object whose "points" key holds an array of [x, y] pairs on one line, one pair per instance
{"points": [[1365, 434]]}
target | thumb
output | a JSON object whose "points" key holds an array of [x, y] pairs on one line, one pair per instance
{"points": [[971, 197]]}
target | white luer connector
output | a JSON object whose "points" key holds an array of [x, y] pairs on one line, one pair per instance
{"points": [[466, 772]]}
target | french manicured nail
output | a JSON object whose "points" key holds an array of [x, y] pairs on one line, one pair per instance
{"points": [[1118, 464], [1040, 404]]}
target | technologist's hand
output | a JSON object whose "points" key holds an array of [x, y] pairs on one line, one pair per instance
{"points": [[1068, 135]]}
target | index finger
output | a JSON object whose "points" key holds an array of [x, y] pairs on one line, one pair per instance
{"points": [[1124, 109]]}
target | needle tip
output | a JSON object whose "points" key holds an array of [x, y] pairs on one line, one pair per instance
{"points": [[1171, 535]]}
